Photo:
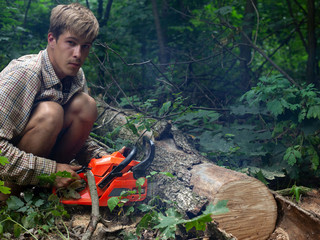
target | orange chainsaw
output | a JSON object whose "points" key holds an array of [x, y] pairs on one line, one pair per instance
{"points": [[114, 174]]}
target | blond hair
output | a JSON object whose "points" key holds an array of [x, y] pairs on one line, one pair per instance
{"points": [[74, 18]]}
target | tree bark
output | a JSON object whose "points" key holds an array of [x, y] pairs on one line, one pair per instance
{"points": [[26, 13], [198, 182], [106, 14], [245, 48], [312, 44], [160, 35]]}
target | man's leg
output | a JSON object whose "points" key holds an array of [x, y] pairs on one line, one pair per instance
{"points": [[79, 116], [39, 136], [44, 126]]}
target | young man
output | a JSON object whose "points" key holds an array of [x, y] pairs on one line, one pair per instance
{"points": [[46, 114]]}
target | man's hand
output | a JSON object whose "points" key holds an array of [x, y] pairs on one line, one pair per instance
{"points": [[64, 182]]}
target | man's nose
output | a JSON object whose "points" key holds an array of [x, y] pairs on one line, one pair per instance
{"points": [[77, 51]]}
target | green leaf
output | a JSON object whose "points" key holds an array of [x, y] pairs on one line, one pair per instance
{"points": [[140, 181], [314, 112], [14, 203], [165, 107], [16, 230], [64, 174], [292, 155], [1, 229], [145, 207], [296, 192], [275, 107], [39, 202], [3, 189], [113, 202], [199, 223], [129, 210], [3, 160], [261, 177], [172, 217], [27, 196], [167, 174]]}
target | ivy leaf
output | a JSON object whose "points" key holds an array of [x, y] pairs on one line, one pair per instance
{"points": [[113, 202]]}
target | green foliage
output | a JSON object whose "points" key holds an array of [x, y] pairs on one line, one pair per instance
{"points": [[168, 221], [294, 120], [296, 192], [3, 189], [121, 200], [46, 178], [32, 212]]}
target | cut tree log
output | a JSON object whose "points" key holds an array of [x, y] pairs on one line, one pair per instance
{"points": [[253, 211], [252, 208]]}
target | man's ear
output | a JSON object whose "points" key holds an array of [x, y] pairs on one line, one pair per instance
{"points": [[51, 40]]}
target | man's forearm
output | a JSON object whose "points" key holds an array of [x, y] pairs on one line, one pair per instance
{"points": [[23, 168]]}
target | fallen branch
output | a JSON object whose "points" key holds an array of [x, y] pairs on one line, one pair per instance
{"points": [[95, 215]]}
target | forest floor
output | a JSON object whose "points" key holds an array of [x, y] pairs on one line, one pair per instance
{"points": [[295, 219], [117, 223]]}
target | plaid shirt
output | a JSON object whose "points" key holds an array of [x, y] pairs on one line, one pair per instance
{"points": [[24, 83]]}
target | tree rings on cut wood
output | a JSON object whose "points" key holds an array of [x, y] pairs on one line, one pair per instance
{"points": [[252, 207]]}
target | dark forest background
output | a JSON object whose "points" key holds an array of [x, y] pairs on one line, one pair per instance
{"points": [[240, 78]]}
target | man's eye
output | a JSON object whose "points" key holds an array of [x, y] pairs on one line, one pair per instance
{"points": [[71, 43], [85, 46]]}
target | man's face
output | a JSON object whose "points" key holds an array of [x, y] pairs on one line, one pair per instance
{"points": [[67, 54]]}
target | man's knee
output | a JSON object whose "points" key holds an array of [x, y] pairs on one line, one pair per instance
{"points": [[83, 107], [48, 116]]}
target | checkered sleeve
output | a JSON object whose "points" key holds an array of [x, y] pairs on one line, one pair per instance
{"points": [[23, 168], [19, 85]]}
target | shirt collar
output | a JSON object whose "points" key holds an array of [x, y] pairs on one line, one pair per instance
{"points": [[49, 76]]}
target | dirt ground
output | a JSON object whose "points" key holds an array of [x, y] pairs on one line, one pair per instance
{"points": [[293, 221]]}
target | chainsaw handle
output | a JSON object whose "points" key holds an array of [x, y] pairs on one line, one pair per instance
{"points": [[140, 169], [116, 172]]}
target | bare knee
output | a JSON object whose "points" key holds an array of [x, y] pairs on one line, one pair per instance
{"points": [[48, 116], [83, 107]]}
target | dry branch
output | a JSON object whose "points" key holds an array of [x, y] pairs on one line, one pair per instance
{"points": [[95, 215]]}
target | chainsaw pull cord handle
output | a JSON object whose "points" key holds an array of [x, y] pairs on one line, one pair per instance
{"points": [[116, 172], [140, 169]]}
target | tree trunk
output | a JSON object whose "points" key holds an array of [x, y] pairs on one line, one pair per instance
{"points": [[199, 182], [249, 201], [106, 16], [312, 44], [245, 48], [160, 35]]}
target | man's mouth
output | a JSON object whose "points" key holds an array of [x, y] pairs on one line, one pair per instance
{"points": [[75, 64]]}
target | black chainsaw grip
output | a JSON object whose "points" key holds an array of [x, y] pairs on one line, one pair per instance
{"points": [[116, 172], [140, 169]]}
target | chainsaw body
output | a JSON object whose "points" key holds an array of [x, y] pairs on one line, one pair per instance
{"points": [[114, 174]]}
